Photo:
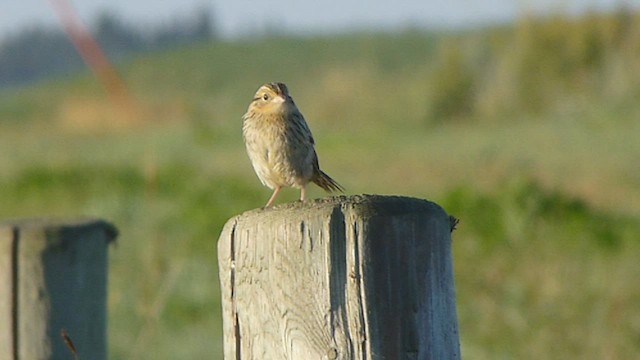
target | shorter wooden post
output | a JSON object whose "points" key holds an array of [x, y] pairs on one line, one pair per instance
{"points": [[360, 277], [53, 276]]}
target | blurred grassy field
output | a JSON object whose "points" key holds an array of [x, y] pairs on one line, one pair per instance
{"points": [[528, 134]]}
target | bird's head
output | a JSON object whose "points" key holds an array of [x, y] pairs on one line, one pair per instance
{"points": [[272, 98]]}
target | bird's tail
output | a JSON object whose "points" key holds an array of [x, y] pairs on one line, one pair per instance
{"points": [[326, 182]]}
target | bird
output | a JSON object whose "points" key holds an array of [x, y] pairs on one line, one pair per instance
{"points": [[280, 145]]}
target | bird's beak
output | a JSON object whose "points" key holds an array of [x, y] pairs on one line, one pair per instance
{"points": [[280, 99]]}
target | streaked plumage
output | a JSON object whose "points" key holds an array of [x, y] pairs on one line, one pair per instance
{"points": [[280, 144]]}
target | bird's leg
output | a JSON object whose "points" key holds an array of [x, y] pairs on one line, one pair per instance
{"points": [[302, 192], [273, 196]]}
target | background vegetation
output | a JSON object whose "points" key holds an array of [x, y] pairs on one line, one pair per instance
{"points": [[527, 133], [39, 52]]}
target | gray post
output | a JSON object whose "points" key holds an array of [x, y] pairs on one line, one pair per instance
{"points": [[360, 277], [53, 276]]}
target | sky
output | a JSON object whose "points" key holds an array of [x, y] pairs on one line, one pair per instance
{"points": [[236, 18]]}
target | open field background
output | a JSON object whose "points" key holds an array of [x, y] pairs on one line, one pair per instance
{"points": [[527, 133]]}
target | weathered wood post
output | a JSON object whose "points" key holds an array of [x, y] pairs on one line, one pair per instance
{"points": [[53, 276], [359, 277]]}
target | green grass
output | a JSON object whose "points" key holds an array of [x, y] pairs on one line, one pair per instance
{"points": [[546, 252], [543, 275]]}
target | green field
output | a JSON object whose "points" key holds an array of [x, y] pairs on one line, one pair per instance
{"points": [[528, 134]]}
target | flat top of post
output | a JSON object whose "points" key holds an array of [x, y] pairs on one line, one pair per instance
{"points": [[62, 224], [364, 205]]}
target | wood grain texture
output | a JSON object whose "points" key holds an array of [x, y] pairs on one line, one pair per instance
{"points": [[57, 280], [6, 298], [359, 277]]}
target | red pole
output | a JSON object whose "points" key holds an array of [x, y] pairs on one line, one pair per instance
{"points": [[92, 53]]}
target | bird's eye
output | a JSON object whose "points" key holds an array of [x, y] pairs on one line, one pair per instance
{"points": [[265, 97]]}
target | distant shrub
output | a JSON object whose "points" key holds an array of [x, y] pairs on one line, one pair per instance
{"points": [[452, 81], [537, 65], [559, 59]]}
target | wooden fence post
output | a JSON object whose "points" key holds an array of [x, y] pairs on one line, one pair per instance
{"points": [[359, 277], [53, 276]]}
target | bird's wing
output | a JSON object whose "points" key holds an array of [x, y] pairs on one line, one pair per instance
{"points": [[302, 129]]}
